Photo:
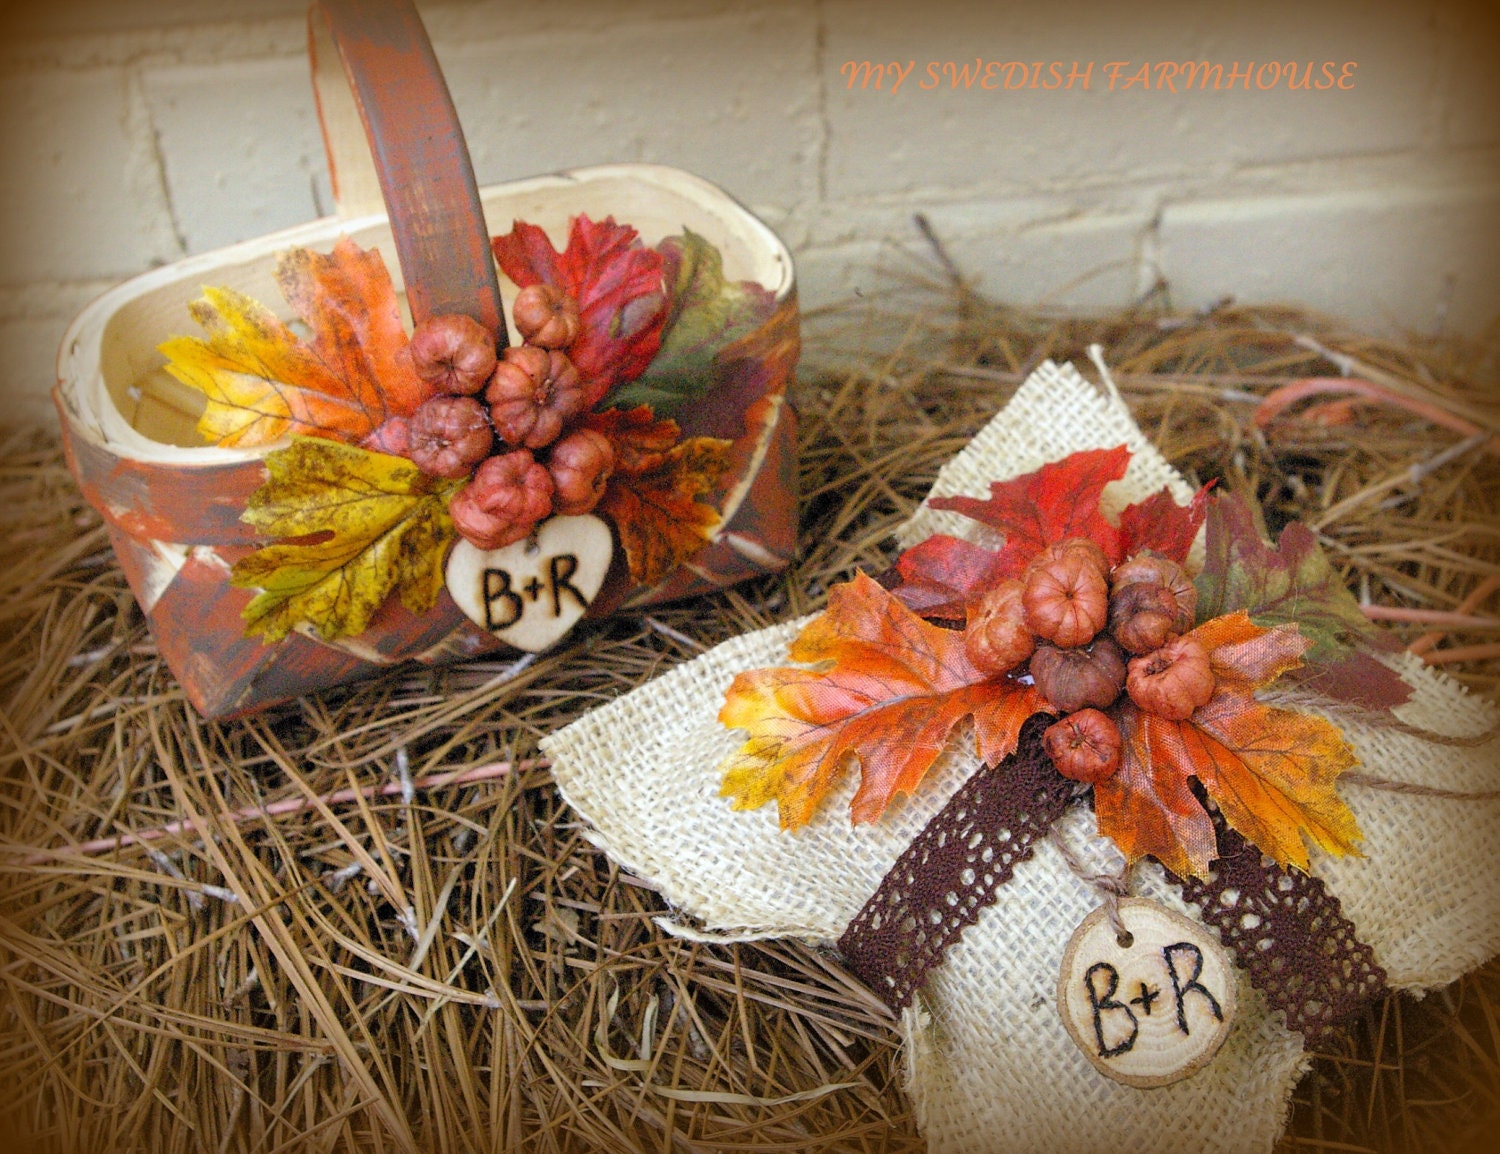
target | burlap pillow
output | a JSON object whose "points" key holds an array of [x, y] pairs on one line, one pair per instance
{"points": [[990, 1065]]}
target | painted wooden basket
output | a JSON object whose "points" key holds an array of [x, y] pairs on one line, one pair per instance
{"points": [[403, 182]]}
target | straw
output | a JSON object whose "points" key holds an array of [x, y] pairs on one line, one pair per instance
{"points": [[303, 931]]}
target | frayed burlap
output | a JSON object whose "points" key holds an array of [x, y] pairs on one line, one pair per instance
{"points": [[991, 1067]]}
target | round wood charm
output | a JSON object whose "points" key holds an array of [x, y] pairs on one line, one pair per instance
{"points": [[531, 593], [1155, 1010]]}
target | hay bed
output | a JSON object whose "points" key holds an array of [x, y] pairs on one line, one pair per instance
{"points": [[461, 970]]}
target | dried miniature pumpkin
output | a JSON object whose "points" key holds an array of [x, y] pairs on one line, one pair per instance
{"points": [[998, 639], [392, 435], [503, 502], [1152, 600], [532, 394], [546, 316], [448, 436], [1084, 746], [453, 353], [1173, 681], [580, 464], [1080, 677], [1067, 593]]}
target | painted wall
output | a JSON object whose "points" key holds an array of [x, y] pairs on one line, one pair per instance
{"points": [[133, 132]]}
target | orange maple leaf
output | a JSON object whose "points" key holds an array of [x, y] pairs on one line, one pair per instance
{"points": [[652, 496], [641, 441], [1272, 772], [886, 692], [263, 381]]}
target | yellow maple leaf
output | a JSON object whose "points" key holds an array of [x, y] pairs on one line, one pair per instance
{"points": [[263, 381], [361, 525]]}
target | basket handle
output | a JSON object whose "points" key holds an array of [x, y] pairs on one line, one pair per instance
{"points": [[393, 140]]}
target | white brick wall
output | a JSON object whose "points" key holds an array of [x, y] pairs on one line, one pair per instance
{"points": [[734, 92], [240, 149], [82, 191], [133, 132], [1440, 252]]}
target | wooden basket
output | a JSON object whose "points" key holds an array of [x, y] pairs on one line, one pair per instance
{"points": [[403, 182]]}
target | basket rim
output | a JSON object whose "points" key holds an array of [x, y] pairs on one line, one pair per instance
{"points": [[83, 398]]}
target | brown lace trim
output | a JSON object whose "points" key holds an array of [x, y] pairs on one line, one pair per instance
{"points": [[1284, 927], [1289, 933], [954, 868]]}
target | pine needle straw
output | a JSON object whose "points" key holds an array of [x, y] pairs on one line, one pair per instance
{"points": [[278, 808], [366, 922]]}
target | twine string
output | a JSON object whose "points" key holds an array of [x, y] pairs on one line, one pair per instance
{"points": [[1413, 789], [1111, 886]]}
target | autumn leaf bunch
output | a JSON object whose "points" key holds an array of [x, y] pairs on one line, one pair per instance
{"points": [[398, 442], [1151, 673], [520, 426], [525, 450], [595, 318]]}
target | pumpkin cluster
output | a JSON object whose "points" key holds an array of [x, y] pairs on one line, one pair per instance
{"points": [[1086, 633], [505, 421]]}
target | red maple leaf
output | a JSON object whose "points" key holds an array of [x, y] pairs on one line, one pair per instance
{"points": [[941, 575], [617, 283], [1058, 501], [1160, 524]]}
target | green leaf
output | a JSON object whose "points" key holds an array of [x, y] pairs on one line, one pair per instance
{"points": [[359, 526], [1292, 583], [705, 313]]}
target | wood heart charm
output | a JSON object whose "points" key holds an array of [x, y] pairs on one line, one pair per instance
{"points": [[531, 593], [1153, 1006]]}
